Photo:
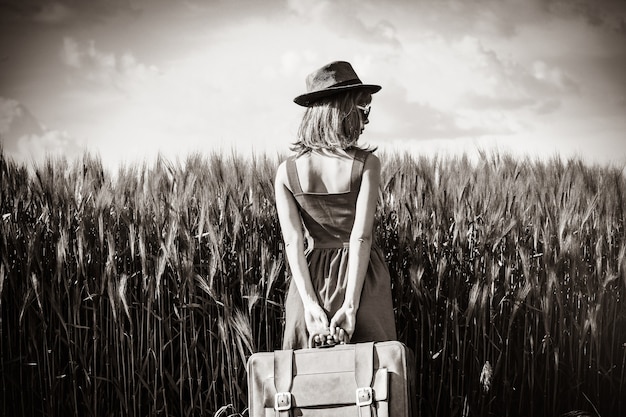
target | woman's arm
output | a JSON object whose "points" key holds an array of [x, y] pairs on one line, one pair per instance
{"points": [[360, 247], [291, 226]]}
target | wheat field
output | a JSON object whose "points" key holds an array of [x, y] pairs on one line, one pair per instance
{"points": [[143, 292]]}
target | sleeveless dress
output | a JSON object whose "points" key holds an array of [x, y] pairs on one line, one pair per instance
{"points": [[328, 219]]}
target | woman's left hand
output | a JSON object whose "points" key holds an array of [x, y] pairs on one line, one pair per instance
{"points": [[345, 319]]}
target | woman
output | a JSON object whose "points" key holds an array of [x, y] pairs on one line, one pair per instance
{"points": [[340, 283]]}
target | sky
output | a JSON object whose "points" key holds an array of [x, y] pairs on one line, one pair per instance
{"points": [[128, 80]]}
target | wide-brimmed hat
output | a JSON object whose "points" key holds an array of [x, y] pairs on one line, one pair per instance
{"points": [[333, 78]]}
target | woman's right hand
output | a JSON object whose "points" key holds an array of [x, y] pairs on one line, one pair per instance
{"points": [[316, 319], [344, 322]]}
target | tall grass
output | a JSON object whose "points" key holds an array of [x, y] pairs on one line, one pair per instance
{"points": [[514, 270], [143, 294]]}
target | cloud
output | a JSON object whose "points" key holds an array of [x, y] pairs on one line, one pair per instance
{"points": [[90, 64], [460, 88], [15, 122], [605, 14], [455, 19], [53, 12], [553, 77], [510, 83], [401, 117], [51, 143], [64, 11], [349, 19], [71, 55], [25, 139]]}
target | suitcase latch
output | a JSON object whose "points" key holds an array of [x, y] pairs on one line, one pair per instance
{"points": [[282, 401], [364, 396]]}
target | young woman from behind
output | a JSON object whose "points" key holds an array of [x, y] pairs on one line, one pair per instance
{"points": [[326, 197]]}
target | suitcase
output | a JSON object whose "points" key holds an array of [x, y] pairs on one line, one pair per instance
{"points": [[359, 380]]}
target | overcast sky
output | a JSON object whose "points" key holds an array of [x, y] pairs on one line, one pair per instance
{"points": [[128, 79]]}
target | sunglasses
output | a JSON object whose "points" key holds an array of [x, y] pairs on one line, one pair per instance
{"points": [[365, 111]]}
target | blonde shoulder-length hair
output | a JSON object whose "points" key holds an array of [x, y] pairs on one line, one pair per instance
{"points": [[332, 124]]}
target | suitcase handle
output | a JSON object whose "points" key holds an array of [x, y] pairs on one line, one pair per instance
{"points": [[326, 341]]}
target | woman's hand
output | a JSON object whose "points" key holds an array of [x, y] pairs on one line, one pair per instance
{"points": [[315, 319], [345, 320]]}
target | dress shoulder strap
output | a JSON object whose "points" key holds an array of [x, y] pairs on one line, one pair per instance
{"points": [[357, 168], [292, 176]]}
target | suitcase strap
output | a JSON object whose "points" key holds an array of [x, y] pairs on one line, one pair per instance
{"points": [[364, 374], [283, 375]]}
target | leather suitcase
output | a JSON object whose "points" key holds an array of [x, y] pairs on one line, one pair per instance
{"points": [[359, 380]]}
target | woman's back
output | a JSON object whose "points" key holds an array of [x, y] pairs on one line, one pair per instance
{"points": [[326, 189], [325, 173]]}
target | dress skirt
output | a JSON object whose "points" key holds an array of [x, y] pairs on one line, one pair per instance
{"points": [[329, 274]]}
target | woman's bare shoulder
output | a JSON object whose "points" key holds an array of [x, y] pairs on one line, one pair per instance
{"points": [[372, 162], [281, 174]]}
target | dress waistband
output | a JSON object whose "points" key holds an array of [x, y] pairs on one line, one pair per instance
{"points": [[329, 245]]}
